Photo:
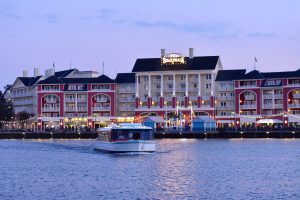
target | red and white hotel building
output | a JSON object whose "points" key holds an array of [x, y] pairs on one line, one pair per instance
{"points": [[75, 100], [172, 86]]}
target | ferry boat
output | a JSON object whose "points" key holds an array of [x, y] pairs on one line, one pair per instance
{"points": [[125, 137]]}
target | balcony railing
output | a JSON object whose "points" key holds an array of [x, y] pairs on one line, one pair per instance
{"points": [[101, 108], [249, 97], [51, 100], [297, 96], [81, 99], [250, 106], [193, 89], [194, 80], [247, 86], [226, 107], [81, 108], [294, 105], [268, 96], [278, 96], [225, 88], [193, 98], [102, 100], [267, 106], [278, 106], [70, 109], [126, 108], [127, 99], [70, 100], [127, 90], [205, 98], [50, 109]]}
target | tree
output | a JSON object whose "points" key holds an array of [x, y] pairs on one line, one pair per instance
{"points": [[22, 116], [6, 109]]}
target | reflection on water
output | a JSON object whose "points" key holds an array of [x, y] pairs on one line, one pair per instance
{"points": [[181, 169]]}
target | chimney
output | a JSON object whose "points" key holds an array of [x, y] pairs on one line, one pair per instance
{"points": [[36, 72], [191, 53], [49, 72], [25, 73], [163, 52]]}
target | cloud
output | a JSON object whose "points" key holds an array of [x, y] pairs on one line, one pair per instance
{"points": [[51, 18], [205, 29], [12, 16], [106, 13], [261, 35]]}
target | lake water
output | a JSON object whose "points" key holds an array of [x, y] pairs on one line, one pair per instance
{"points": [[181, 169]]}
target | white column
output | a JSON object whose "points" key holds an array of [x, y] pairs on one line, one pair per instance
{"points": [[136, 86], [212, 84], [273, 99], [199, 85], [149, 85], [186, 85], [161, 85], [174, 85], [76, 109]]}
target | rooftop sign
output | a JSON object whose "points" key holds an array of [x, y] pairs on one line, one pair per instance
{"points": [[173, 58]]}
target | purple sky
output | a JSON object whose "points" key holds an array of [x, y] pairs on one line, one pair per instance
{"points": [[36, 33]]}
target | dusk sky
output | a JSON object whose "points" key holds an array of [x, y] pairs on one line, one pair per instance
{"points": [[37, 33]]}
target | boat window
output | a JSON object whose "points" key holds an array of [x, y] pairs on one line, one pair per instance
{"points": [[104, 136], [147, 135], [131, 134], [120, 134]]}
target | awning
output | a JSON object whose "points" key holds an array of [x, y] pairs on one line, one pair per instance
{"points": [[247, 119], [294, 119], [269, 121], [225, 121]]}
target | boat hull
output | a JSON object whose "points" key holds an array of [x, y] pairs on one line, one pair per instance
{"points": [[126, 146]]}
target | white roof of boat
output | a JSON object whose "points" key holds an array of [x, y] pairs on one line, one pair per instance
{"points": [[131, 126], [125, 126]]}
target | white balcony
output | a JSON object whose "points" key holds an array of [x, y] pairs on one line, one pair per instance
{"points": [[180, 90], [168, 98], [102, 99], [180, 98], [278, 96], [267, 106], [126, 99], [226, 107], [50, 109], [168, 90], [249, 97], [225, 88], [51, 100], [127, 90], [296, 96], [101, 108], [268, 96], [194, 80], [205, 98], [81, 100], [193, 89], [21, 103], [70, 109], [126, 108], [70, 100], [205, 106], [193, 98], [248, 106], [278, 106], [81, 109], [294, 84], [247, 86], [155, 98], [294, 105]]}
